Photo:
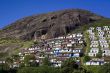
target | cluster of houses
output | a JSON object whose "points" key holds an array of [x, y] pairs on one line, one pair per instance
{"points": [[62, 48], [99, 44], [57, 50]]}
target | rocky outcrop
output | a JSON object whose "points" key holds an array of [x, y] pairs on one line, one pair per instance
{"points": [[49, 25]]}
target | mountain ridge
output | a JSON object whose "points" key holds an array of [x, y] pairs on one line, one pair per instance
{"points": [[49, 25]]}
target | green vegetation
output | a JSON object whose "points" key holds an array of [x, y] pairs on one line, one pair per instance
{"points": [[68, 66], [46, 62], [93, 69], [3, 55], [42, 69], [25, 44], [86, 58], [98, 69], [105, 68], [13, 45], [99, 55], [27, 59], [87, 49], [100, 23], [9, 60]]}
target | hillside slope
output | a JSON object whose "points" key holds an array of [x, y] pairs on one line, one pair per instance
{"points": [[20, 34], [49, 25]]}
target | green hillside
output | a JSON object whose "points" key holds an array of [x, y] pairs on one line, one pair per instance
{"points": [[14, 45]]}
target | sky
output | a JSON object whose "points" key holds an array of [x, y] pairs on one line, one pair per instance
{"points": [[12, 10]]}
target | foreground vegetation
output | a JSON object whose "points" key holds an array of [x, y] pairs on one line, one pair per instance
{"points": [[68, 66]]}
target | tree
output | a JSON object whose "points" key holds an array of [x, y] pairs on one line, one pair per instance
{"points": [[2, 55], [35, 42], [4, 68], [15, 57], [27, 70], [70, 63], [27, 59], [41, 69], [81, 54], [86, 58], [105, 68], [99, 55], [34, 64], [9, 61], [46, 61], [69, 66]]}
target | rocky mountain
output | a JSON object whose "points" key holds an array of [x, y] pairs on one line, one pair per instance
{"points": [[49, 25]]}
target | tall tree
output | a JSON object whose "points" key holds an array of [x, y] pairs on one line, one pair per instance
{"points": [[46, 62], [27, 59]]}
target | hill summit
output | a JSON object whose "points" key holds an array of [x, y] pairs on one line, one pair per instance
{"points": [[49, 25]]}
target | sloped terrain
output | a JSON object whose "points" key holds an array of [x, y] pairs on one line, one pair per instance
{"points": [[49, 25], [20, 34]]}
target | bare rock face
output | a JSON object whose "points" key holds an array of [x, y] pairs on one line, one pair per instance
{"points": [[49, 25]]}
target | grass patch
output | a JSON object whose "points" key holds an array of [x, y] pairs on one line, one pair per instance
{"points": [[14, 45], [93, 69], [87, 40]]}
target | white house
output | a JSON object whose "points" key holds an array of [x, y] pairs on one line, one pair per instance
{"points": [[93, 52], [69, 45], [98, 28], [80, 42], [94, 42], [76, 51], [106, 52], [94, 45], [104, 45], [79, 35], [57, 64], [96, 61], [106, 28], [91, 28], [101, 33]]}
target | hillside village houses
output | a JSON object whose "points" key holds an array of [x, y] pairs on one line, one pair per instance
{"points": [[93, 52], [73, 46], [100, 43], [96, 61], [57, 49]]}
